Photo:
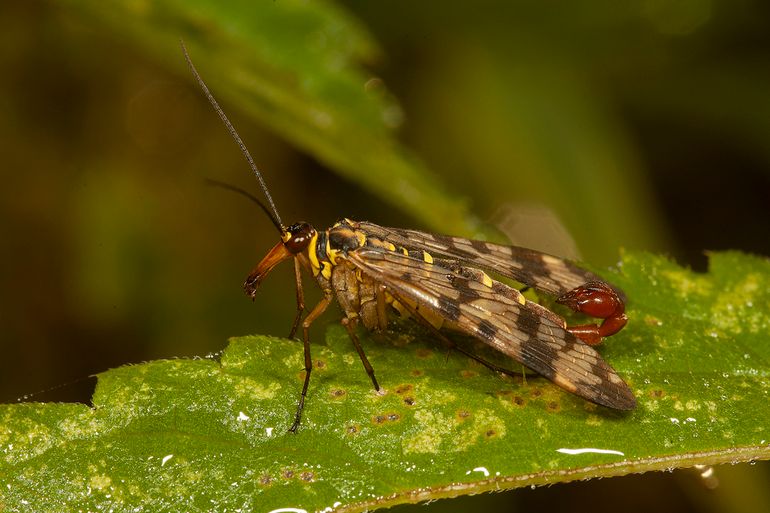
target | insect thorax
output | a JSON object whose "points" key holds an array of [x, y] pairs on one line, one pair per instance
{"points": [[356, 292]]}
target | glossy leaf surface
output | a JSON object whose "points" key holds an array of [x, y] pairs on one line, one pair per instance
{"points": [[196, 435]]}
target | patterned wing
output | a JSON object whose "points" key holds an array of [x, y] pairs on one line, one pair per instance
{"points": [[517, 330], [541, 271]]}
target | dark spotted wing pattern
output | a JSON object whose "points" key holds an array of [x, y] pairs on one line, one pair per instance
{"points": [[517, 330], [541, 271]]}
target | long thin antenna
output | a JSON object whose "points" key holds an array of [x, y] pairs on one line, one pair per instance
{"points": [[275, 216], [233, 188]]}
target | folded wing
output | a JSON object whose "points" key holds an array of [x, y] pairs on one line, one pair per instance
{"points": [[515, 329], [539, 270]]}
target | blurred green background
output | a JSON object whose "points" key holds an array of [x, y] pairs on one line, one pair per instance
{"points": [[577, 129]]}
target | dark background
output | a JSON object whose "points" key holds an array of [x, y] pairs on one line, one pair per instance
{"points": [[114, 252]]}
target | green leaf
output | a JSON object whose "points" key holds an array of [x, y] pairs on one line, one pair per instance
{"points": [[200, 435]]}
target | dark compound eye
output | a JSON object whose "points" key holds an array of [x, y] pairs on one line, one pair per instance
{"points": [[301, 235]]}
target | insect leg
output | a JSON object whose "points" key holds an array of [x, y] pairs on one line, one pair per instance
{"points": [[300, 299], [350, 324], [317, 310], [486, 363]]}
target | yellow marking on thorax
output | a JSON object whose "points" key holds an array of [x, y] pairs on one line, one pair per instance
{"points": [[331, 253], [427, 257], [315, 265], [326, 270], [318, 265], [346, 233]]}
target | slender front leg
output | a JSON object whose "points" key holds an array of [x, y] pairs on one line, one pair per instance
{"points": [[350, 325], [318, 310], [300, 298]]}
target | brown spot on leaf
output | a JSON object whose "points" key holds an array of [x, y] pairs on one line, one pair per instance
{"points": [[465, 373], [409, 401], [402, 389], [490, 433], [307, 476], [518, 400], [535, 392], [338, 393], [463, 414], [417, 372], [423, 353], [649, 320], [657, 393], [382, 418], [265, 480], [352, 429], [287, 474], [553, 406], [400, 341]]}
